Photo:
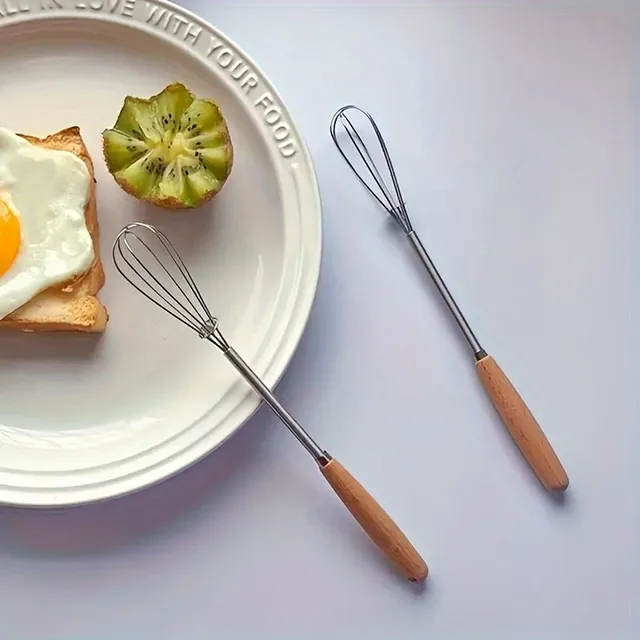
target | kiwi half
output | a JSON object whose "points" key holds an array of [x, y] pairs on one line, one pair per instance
{"points": [[172, 149]]}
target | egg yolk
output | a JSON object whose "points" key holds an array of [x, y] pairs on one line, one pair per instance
{"points": [[9, 237]]}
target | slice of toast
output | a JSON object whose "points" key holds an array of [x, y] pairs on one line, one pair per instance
{"points": [[72, 306]]}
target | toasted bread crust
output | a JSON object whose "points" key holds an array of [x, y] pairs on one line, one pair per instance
{"points": [[77, 297]]}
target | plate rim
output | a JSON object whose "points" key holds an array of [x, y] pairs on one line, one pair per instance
{"points": [[295, 324]]}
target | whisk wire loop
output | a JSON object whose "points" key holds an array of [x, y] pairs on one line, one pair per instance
{"points": [[178, 294], [379, 188], [178, 307]]}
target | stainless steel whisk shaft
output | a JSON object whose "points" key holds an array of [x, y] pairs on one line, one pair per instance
{"points": [[150, 263], [515, 414], [458, 316], [391, 199], [318, 454], [185, 303]]}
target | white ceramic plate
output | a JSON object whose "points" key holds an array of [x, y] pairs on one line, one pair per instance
{"points": [[85, 418]]}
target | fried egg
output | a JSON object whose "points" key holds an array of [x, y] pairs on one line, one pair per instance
{"points": [[44, 239]]}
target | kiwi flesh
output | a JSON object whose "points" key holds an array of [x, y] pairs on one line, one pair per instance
{"points": [[172, 149]]}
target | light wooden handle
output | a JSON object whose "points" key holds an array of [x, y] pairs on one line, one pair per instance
{"points": [[522, 426], [375, 521]]}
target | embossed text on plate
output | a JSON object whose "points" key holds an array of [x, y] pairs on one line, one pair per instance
{"points": [[13, 7], [198, 35], [173, 23]]}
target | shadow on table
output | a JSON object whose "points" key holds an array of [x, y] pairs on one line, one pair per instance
{"points": [[101, 527]]}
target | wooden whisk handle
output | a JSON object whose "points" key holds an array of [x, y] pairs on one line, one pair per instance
{"points": [[522, 426], [375, 521]]}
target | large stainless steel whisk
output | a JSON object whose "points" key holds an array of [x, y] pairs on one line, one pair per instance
{"points": [[515, 414], [149, 262]]}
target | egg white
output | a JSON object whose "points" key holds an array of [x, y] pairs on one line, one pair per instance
{"points": [[49, 190]]}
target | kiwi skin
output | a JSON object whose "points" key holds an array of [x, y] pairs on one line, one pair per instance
{"points": [[172, 202]]}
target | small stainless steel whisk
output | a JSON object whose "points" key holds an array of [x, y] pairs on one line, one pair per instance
{"points": [[150, 263], [515, 414]]}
